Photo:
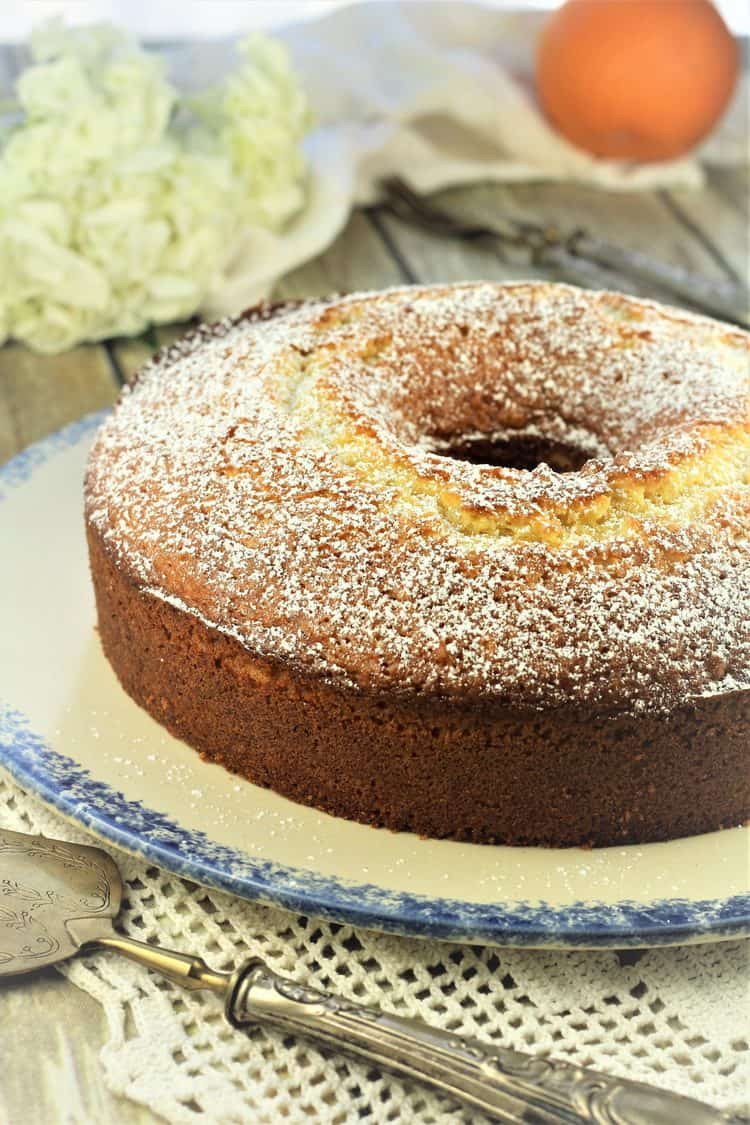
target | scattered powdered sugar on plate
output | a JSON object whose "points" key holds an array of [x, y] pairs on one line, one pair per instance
{"points": [[282, 477]]}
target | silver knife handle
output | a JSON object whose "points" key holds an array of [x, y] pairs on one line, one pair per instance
{"points": [[506, 1085]]}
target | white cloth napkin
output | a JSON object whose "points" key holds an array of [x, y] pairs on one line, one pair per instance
{"points": [[439, 91]]}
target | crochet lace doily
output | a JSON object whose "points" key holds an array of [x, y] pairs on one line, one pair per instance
{"points": [[674, 1017]]}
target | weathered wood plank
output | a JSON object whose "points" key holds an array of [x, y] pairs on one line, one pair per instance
{"points": [[432, 259], [358, 259], [734, 185], [39, 394], [710, 218], [50, 1038]]}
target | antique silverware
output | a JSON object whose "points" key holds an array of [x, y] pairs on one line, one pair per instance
{"points": [[576, 254], [58, 898]]}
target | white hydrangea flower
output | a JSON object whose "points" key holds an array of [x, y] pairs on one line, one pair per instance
{"points": [[55, 90], [90, 44], [112, 218], [261, 118]]}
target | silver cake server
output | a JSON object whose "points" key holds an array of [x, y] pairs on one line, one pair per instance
{"points": [[58, 898]]}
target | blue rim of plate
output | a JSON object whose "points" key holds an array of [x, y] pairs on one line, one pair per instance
{"points": [[128, 824]]}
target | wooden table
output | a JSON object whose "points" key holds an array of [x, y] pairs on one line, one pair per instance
{"points": [[50, 1033]]}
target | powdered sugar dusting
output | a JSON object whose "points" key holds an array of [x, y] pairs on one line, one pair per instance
{"points": [[278, 478]]}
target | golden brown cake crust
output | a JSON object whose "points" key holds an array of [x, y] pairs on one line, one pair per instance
{"points": [[444, 646]]}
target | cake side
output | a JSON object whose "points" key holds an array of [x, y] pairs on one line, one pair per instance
{"points": [[432, 765]]}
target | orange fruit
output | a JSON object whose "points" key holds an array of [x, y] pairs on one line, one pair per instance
{"points": [[636, 79]]}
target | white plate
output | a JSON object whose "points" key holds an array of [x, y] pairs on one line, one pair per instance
{"points": [[69, 732]]}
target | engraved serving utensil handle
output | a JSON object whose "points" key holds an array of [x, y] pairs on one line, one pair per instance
{"points": [[508, 1086], [76, 891]]}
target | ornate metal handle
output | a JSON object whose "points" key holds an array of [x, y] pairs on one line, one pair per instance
{"points": [[508, 1086]]}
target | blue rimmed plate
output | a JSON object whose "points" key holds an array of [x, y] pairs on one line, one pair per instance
{"points": [[69, 733]]}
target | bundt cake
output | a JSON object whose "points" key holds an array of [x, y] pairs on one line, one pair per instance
{"points": [[467, 560]]}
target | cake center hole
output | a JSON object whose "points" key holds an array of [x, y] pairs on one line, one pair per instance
{"points": [[522, 452]]}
